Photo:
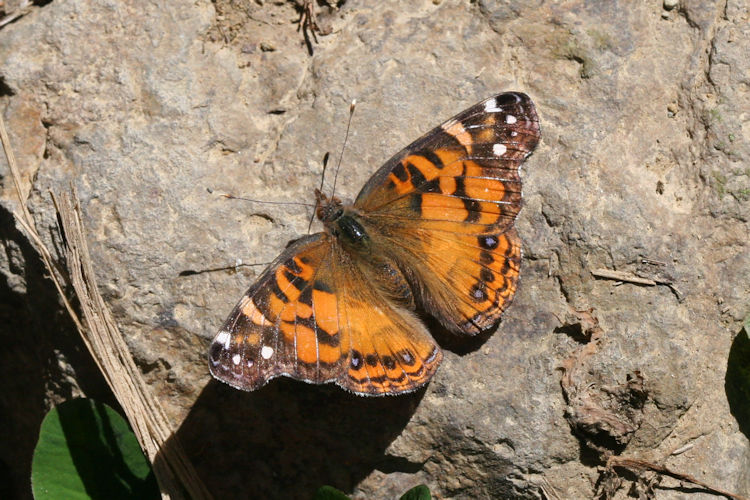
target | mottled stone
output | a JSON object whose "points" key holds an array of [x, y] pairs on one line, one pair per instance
{"points": [[644, 158]]}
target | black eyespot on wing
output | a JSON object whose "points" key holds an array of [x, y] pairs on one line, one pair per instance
{"points": [[486, 275], [488, 242], [478, 292], [389, 362], [407, 357], [356, 361], [486, 258]]}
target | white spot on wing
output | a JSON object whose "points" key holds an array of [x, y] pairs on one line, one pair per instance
{"points": [[236, 359], [491, 106], [499, 149], [266, 352], [510, 119], [223, 338]]}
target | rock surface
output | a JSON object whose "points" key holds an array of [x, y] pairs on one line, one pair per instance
{"points": [[644, 168]]}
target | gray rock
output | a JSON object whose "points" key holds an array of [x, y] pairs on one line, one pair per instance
{"points": [[143, 107]]}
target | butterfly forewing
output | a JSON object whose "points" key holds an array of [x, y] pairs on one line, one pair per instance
{"points": [[315, 315], [465, 171], [285, 324]]}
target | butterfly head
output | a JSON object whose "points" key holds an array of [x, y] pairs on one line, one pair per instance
{"points": [[328, 209], [342, 222]]}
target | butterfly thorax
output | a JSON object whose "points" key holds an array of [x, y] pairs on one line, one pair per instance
{"points": [[341, 222]]}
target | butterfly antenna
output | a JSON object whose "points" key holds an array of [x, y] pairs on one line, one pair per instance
{"points": [[322, 178], [236, 267], [233, 197], [346, 136], [323, 175]]}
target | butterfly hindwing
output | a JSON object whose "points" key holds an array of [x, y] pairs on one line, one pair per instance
{"points": [[391, 351], [466, 281]]}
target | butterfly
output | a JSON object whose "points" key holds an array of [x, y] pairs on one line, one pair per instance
{"points": [[432, 230]]}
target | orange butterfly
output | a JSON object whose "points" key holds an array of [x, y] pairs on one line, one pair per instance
{"points": [[432, 228]]}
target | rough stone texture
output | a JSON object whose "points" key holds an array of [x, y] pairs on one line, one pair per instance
{"points": [[645, 155]]}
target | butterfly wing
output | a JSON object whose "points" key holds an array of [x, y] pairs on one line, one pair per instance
{"points": [[315, 316], [444, 209]]}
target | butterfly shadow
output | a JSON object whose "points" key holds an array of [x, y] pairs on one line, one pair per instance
{"points": [[457, 344], [289, 438]]}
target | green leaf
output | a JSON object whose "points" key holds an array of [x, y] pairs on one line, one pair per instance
{"points": [[420, 492], [329, 493], [737, 378], [87, 450]]}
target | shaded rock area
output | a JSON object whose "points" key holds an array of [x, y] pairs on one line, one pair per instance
{"points": [[643, 168]]}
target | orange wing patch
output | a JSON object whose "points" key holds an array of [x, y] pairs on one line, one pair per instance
{"points": [[383, 360], [470, 280], [448, 204]]}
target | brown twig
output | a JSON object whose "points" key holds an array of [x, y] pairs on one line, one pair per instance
{"points": [[308, 24], [631, 278], [634, 463], [622, 276]]}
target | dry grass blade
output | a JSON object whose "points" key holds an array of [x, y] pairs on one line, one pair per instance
{"points": [[172, 468], [144, 412], [23, 9]]}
